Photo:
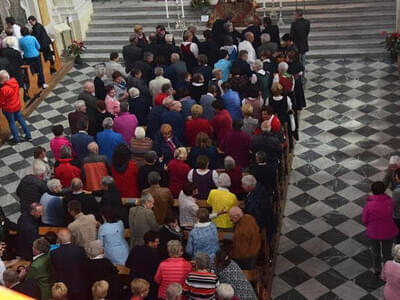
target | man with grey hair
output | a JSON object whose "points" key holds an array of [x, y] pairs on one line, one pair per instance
{"points": [[156, 84], [266, 44], [201, 281], [247, 45], [28, 230], [39, 269], [151, 163], [53, 209], [14, 281], [176, 70], [10, 104], [131, 52], [94, 168], [142, 220], [163, 199], [88, 95], [77, 115], [146, 66], [108, 140], [174, 291], [265, 170]]}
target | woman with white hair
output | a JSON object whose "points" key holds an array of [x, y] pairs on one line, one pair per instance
{"points": [[178, 170], [140, 145], [99, 88], [222, 199], [225, 292], [138, 105], [97, 267], [391, 274]]}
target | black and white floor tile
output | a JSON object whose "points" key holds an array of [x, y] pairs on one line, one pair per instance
{"points": [[348, 131]]}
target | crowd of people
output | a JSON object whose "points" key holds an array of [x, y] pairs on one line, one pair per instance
{"points": [[203, 121]]}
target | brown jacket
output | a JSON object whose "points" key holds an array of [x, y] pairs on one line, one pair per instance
{"points": [[246, 238], [163, 201], [83, 229]]}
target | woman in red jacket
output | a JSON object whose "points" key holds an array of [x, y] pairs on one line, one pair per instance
{"points": [[178, 171], [125, 172], [10, 104]]}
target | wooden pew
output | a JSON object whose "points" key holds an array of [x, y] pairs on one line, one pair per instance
{"points": [[201, 203], [45, 68], [33, 88], [57, 60]]}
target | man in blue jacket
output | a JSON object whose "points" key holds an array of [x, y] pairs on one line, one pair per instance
{"points": [[108, 140]]}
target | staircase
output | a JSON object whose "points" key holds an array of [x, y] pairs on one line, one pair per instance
{"points": [[339, 28]]}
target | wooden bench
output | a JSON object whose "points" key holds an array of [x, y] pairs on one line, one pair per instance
{"points": [[33, 80], [200, 203], [46, 64], [57, 60]]}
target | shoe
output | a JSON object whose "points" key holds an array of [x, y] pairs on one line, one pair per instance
{"points": [[28, 139], [45, 85], [13, 142]]}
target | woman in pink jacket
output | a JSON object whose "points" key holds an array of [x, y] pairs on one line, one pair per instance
{"points": [[381, 229], [391, 274]]}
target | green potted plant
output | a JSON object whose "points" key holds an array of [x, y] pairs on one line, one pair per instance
{"points": [[201, 5], [76, 49]]}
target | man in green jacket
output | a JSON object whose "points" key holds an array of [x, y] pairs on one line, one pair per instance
{"points": [[40, 269]]}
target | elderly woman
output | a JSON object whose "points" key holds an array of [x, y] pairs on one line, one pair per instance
{"points": [[235, 174], [203, 146], [381, 229], [201, 281], [250, 123], [263, 80], [97, 267], [119, 84], [53, 208], [195, 125], [112, 103], [111, 234], [166, 142], [142, 220], [203, 237], [222, 199], [391, 274], [138, 105], [229, 272], [77, 115], [125, 172], [172, 270], [204, 178], [178, 171], [99, 88], [226, 292], [140, 145]]}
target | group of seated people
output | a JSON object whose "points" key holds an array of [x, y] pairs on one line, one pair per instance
{"points": [[163, 135]]}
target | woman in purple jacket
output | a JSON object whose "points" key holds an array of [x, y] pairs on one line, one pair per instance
{"points": [[381, 229]]}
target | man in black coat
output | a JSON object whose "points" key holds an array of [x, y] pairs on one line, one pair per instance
{"points": [[146, 66], [272, 30], [241, 64], [209, 48], [267, 142], [90, 99], [299, 31], [151, 164], [27, 287], [31, 188], [68, 264], [40, 33], [132, 53], [168, 232], [28, 230], [14, 63], [144, 260]]}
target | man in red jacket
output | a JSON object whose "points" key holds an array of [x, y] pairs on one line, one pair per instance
{"points": [[10, 104]]}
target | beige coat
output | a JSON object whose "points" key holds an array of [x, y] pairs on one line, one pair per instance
{"points": [[83, 229]]}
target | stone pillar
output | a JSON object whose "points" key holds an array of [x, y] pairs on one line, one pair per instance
{"points": [[398, 15]]}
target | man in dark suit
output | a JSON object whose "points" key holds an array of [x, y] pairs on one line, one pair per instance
{"points": [[299, 31], [77, 115], [14, 62], [209, 47], [68, 264], [27, 287], [28, 230], [131, 53], [90, 99], [81, 139]]}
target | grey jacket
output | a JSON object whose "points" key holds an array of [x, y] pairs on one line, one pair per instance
{"points": [[141, 220]]}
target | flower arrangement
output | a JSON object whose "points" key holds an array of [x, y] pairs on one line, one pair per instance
{"points": [[392, 42], [76, 49], [200, 4]]}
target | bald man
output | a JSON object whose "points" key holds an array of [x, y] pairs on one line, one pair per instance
{"points": [[94, 168], [90, 99], [68, 261], [246, 239]]}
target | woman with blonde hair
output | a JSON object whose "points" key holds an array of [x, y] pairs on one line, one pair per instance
{"points": [[59, 291], [142, 40], [100, 290], [203, 146], [391, 274], [178, 170], [140, 289]]}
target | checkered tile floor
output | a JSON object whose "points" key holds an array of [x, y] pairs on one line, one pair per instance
{"points": [[348, 131]]}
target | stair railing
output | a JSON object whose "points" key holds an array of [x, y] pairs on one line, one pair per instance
{"points": [[167, 14]]}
